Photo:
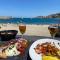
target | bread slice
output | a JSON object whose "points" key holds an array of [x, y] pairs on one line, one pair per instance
{"points": [[3, 54]]}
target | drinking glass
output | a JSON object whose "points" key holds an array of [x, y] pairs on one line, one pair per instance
{"points": [[22, 28], [53, 32]]}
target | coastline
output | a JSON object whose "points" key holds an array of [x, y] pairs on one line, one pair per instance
{"points": [[31, 29]]}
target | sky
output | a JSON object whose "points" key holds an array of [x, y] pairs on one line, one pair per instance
{"points": [[29, 8]]}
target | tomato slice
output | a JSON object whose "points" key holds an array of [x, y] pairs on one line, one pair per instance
{"points": [[21, 50]]}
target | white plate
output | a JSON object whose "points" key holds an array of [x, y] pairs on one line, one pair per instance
{"points": [[34, 55]]}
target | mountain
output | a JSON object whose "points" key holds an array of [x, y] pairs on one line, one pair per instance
{"points": [[57, 15]]}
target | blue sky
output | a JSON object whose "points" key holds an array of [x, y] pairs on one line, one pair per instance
{"points": [[28, 8]]}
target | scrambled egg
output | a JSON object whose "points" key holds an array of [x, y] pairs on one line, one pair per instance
{"points": [[49, 58]]}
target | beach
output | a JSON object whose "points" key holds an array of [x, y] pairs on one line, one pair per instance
{"points": [[31, 29]]}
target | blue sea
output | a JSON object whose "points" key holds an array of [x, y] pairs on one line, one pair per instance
{"points": [[32, 20]]}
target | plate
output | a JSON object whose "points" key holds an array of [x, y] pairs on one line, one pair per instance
{"points": [[33, 55]]}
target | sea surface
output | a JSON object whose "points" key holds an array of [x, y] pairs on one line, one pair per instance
{"points": [[32, 20]]}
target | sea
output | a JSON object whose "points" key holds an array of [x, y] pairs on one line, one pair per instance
{"points": [[31, 20]]}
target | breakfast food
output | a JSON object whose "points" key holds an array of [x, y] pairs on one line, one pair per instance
{"points": [[13, 48], [48, 50], [49, 58]]}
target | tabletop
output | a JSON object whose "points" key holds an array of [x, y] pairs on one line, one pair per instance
{"points": [[31, 39]]}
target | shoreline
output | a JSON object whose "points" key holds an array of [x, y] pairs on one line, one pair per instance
{"points": [[30, 23]]}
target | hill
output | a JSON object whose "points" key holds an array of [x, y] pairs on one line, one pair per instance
{"points": [[57, 15]]}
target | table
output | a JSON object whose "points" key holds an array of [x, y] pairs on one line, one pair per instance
{"points": [[31, 39]]}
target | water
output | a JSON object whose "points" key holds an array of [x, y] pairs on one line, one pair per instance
{"points": [[32, 20]]}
